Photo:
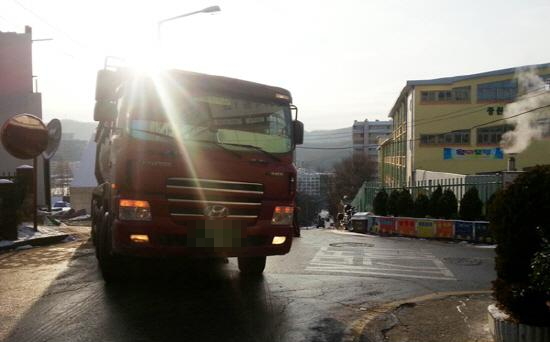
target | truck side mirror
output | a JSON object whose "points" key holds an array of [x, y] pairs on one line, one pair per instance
{"points": [[298, 129], [107, 84], [105, 111]]}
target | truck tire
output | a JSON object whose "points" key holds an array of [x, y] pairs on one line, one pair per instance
{"points": [[109, 263], [95, 222], [252, 266], [99, 215]]}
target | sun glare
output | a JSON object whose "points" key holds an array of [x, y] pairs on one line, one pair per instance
{"points": [[165, 86]]}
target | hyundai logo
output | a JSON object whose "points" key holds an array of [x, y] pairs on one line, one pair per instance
{"points": [[216, 211]]}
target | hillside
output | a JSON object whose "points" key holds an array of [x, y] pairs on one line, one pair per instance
{"points": [[321, 157], [81, 130]]}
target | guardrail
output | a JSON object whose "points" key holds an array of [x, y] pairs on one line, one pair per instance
{"points": [[474, 231]]}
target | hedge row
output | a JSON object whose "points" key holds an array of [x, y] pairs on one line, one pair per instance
{"points": [[440, 204]]}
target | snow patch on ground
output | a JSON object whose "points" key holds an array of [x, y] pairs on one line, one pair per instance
{"points": [[25, 232]]}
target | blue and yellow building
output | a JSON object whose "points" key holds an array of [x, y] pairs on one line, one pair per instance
{"points": [[455, 124]]}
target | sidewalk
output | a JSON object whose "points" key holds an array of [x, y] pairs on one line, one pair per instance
{"points": [[46, 235], [449, 318]]}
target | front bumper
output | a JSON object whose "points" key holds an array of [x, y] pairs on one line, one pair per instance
{"points": [[167, 238]]}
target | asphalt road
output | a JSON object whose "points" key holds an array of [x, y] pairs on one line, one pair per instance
{"points": [[318, 292]]}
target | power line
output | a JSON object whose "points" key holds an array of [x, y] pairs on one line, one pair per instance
{"points": [[437, 118], [479, 125], [416, 139], [47, 23], [420, 122]]}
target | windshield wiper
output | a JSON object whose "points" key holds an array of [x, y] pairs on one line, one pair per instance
{"points": [[271, 155], [193, 140], [218, 145]]}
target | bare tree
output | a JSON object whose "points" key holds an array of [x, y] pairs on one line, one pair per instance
{"points": [[350, 173]]}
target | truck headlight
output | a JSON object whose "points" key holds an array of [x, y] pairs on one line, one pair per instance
{"points": [[282, 216], [133, 210]]}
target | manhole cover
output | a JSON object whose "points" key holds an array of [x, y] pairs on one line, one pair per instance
{"points": [[351, 244], [463, 261]]}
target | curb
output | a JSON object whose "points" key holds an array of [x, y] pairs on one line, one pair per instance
{"points": [[40, 241], [357, 327]]}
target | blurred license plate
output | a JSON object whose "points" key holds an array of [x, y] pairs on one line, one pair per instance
{"points": [[215, 234]]}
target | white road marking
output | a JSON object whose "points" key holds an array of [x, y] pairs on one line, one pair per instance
{"points": [[403, 263]]}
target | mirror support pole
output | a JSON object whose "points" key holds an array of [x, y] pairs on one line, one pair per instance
{"points": [[35, 195], [47, 184]]}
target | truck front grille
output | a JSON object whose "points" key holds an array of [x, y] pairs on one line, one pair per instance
{"points": [[191, 198]]}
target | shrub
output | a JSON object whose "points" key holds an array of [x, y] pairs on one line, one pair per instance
{"points": [[471, 206], [540, 271], [434, 202], [520, 224], [392, 203], [448, 204], [405, 203], [380, 203], [421, 206]]}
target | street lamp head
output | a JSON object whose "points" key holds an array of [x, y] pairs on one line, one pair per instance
{"points": [[211, 9]]}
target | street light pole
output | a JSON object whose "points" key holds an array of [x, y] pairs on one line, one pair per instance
{"points": [[210, 9]]}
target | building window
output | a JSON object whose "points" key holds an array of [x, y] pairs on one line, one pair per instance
{"points": [[461, 137], [492, 135], [460, 94], [497, 91]]}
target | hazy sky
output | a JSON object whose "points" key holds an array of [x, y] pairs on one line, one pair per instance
{"points": [[342, 60]]}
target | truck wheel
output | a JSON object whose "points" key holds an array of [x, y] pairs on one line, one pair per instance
{"points": [[109, 263], [95, 219], [97, 227], [251, 265]]}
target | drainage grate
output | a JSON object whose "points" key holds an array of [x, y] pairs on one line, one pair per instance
{"points": [[351, 244]]}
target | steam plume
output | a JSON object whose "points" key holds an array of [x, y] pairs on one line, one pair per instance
{"points": [[530, 126]]}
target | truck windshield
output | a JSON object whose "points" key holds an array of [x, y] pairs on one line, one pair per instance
{"points": [[236, 123]]}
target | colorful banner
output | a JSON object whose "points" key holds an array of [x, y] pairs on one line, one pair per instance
{"points": [[406, 226], [386, 225], [425, 228], [476, 153], [482, 232], [444, 229], [464, 230]]}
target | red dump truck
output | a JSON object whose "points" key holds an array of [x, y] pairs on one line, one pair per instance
{"points": [[193, 165]]}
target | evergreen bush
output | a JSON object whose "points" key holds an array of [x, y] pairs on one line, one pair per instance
{"points": [[471, 206], [380, 203], [405, 203], [448, 204], [421, 206], [392, 203], [520, 223], [434, 202]]}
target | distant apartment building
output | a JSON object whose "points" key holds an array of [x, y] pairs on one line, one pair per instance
{"points": [[366, 136], [456, 124], [313, 183], [17, 95]]}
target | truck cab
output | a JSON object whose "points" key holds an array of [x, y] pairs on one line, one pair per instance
{"points": [[192, 165]]}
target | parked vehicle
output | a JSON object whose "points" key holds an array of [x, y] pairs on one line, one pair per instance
{"points": [[60, 207], [192, 165]]}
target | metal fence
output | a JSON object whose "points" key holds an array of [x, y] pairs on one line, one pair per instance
{"points": [[486, 186]]}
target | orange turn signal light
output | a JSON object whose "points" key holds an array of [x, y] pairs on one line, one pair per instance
{"points": [[139, 238], [133, 203]]}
